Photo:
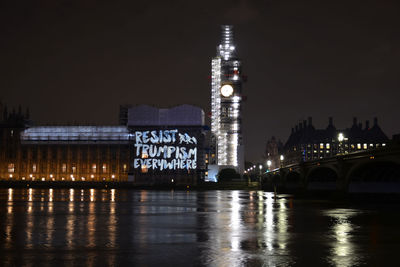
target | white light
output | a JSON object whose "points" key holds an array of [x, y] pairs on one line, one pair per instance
{"points": [[227, 90], [269, 163], [260, 167], [113, 176], [340, 137], [281, 157]]}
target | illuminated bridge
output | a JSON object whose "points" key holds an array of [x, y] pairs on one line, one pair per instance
{"points": [[372, 171]]}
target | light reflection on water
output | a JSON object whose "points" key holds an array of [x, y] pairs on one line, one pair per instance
{"points": [[90, 227]]}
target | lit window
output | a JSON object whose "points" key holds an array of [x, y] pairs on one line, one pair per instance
{"points": [[383, 144], [144, 169], [365, 146], [104, 168], [124, 167], [371, 145], [352, 146], [358, 146], [11, 167], [94, 168], [64, 167], [328, 146], [321, 146], [73, 169], [34, 167]]}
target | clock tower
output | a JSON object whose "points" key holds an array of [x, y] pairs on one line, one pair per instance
{"points": [[226, 101]]}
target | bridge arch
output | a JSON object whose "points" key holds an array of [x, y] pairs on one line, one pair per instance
{"points": [[374, 176], [322, 178]]}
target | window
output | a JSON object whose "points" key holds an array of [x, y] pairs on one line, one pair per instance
{"points": [[104, 168], [365, 146], [358, 146], [44, 153], [328, 146], [124, 167], [74, 169], [64, 167], [11, 167], [321, 146], [34, 169], [94, 168], [144, 169]]}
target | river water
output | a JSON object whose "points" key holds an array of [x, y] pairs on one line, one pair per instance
{"points": [[114, 227]]}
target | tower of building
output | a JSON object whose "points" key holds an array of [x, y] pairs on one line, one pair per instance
{"points": [[226, 101]]}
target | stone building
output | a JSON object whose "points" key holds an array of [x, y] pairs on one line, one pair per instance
{"points": [[155, 146], [306, 143]]}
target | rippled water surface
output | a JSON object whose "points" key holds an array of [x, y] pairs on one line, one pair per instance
{"points": [[91, 227]]}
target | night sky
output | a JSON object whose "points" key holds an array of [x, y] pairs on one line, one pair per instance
{"points": [[77, 61]]}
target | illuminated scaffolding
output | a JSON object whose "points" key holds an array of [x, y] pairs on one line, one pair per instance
{"points": [[226, 86]]}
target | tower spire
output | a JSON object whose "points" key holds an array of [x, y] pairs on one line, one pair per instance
{"points": [[226, 49]]}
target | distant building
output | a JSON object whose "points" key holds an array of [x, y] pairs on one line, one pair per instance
{"points": [[307, 143], [154, 146], [273, 150]]}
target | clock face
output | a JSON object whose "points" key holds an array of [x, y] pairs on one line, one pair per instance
{"points": [[226, 90]]}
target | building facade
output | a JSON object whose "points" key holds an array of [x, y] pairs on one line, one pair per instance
{"points": [[226, 104], [156, 146], [306, 143]]}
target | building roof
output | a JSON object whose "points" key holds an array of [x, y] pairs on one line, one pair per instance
{"points": [[75, 133], [183, 115], [306, 134]]}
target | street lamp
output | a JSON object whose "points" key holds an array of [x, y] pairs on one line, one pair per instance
{"points": [[340, 139], [269, 163], [281, 159]]}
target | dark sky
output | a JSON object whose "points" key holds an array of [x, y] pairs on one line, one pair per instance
{"points": [[76, 61]]}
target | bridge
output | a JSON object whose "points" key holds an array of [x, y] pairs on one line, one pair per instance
{"points": [[371, 171]]}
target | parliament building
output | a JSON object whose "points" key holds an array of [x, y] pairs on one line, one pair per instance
{"points": [[151, 146]]}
